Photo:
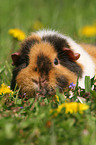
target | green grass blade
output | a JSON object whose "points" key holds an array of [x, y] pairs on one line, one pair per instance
{"points": [[87, 84]]}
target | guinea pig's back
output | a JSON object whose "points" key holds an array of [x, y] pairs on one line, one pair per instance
{"points": [[91, 49]]}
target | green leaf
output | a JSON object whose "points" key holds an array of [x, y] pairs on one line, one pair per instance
{"points": [[61, 96], [87, 84]]}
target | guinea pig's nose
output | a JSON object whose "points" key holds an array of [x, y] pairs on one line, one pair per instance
{"points": [[42, 82]]}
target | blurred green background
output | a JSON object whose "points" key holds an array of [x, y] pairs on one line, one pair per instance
{"points": [[66, 16]]}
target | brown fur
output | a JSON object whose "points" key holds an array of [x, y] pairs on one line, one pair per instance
{"points": [[33, 37]]}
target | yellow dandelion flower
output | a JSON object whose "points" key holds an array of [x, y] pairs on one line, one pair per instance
{"points": [[17, 33], [88, 31], [37, 25], [71, 107], [4, 89]]}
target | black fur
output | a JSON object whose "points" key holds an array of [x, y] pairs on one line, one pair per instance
{"points": [[56, 41], [43, 64], [62, 82], [25, 49], [15, 73], [59, 44], [71, 65]]}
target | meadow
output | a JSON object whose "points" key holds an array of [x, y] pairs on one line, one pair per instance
{"points": [[46, 120]]}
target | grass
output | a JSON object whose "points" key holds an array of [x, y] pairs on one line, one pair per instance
{"points": [[27, 121]]}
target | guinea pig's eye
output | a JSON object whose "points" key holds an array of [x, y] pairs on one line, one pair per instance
{"points": [[56, 61]]}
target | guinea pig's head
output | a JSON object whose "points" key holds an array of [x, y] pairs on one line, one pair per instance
{"points": [[45, 69]]}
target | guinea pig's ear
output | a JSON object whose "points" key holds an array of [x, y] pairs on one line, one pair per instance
{"points": [[15, 57], [73, 56]]}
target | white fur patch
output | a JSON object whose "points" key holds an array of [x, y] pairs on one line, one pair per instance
{"points": [[85, 59]]}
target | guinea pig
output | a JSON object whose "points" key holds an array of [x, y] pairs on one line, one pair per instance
{"points": [[49, 60]]}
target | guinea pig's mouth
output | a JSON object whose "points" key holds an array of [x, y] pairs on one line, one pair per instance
{"points": [[49, 91], [42, 92], [43, 88], [46, 92]]}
